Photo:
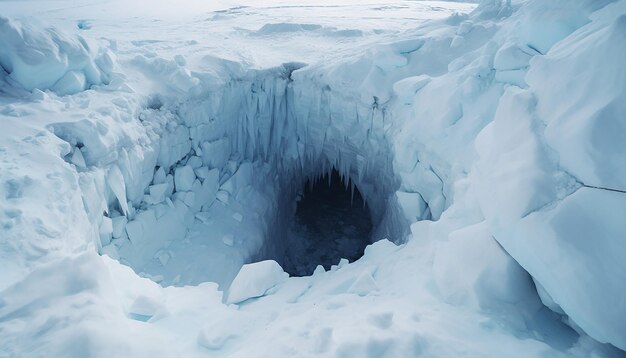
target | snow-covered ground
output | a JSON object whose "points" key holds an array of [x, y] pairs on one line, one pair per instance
{"points": [[150, 149]]}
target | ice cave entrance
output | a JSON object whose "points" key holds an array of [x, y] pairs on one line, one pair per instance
{"points": [[229, 186], [331, 222]]}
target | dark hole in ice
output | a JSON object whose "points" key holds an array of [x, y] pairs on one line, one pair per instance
{"points": [[155, 103], [331, 222]]}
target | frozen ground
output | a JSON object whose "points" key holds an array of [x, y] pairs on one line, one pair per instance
{"points": [[149, 150]]}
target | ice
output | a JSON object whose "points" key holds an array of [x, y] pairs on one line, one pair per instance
{"points": [[163, 257], [412, 205], [71, 82], [159, 176], [202, 173], [270, 29], [512, 57], [585, 133], [222, 195], [599, 224], [189, 199], [195, 162], [363, 285], [115, 180], [78, 159], [543, 25], [119, 225], [134, 229], [171, 141], [143, 308], [106, 230], [254, 280], [158, 193], [513, 77], [516, 163], [215, 154], [111, 251], [203, 217], [210, 187], [511, 63], [408, 87], [184, 178]]}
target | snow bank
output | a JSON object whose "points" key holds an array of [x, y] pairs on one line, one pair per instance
{"points": [[527, 110], [43, 59], [550, 178]]}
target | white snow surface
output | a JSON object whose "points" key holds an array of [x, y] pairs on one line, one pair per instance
{"points": [[48, 59], [152, 154], [254, 280]]}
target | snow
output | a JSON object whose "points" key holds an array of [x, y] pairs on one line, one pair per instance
{"points": [[597, 118], [153, 156], [48, 59], [254, 280]]}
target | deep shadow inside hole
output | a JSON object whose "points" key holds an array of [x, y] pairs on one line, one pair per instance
{"points": [[331, 222]]}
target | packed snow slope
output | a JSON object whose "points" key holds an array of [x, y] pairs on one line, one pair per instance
{"points": [[152, 156]]}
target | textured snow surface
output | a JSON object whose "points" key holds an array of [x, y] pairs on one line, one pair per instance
{"points": [[254, 280], [151, 159], [48, 59]]}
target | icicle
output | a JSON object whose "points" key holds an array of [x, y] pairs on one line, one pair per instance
{"points": [[346, 177], [242, 137], [352, 193], [330, 176], [341, 175]]}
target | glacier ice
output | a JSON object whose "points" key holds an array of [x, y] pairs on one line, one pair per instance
{"points": [[485, 145]]}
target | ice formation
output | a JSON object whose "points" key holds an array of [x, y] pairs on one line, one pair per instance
{"points": [[149, 178]]}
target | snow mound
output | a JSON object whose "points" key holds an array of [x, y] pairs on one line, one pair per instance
{"points": [[36, 58], [550, 179]]}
